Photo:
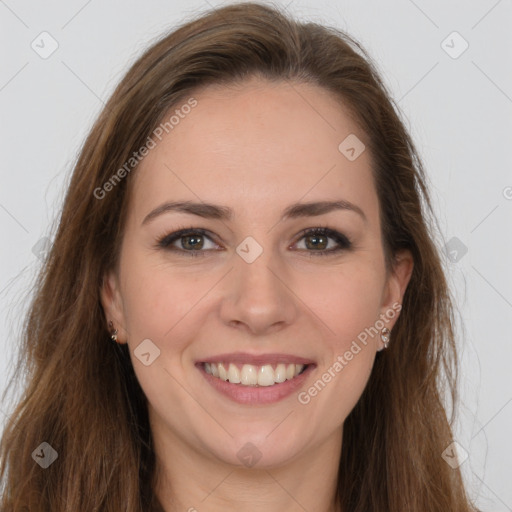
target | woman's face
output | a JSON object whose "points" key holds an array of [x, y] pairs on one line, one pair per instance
{"points": [[258, 166]]}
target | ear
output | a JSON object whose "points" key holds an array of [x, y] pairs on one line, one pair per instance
{"points": [[112, 303], [395, 287]]}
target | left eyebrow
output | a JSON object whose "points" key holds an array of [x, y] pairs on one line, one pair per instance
{"points": [[320, 208], [213, 211]]}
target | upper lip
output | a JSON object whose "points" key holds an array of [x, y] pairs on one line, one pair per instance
{"points": [[256, 359]]}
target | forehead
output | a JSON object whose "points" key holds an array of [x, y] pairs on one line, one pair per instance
{"points": [[253, 144]]}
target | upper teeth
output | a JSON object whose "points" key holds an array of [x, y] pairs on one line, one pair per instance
{"points": [[251, 375]]}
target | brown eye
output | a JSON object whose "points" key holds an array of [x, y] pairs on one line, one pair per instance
{"points": [[324, 241], [194, 241], [316, 242]]}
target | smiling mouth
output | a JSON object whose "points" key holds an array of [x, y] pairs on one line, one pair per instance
{"points": [[253, 375]]}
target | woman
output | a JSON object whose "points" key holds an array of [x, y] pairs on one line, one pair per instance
{"points": [[243, 307]]}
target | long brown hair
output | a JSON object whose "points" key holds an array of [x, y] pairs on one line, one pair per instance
{"points": [[82, 396]]}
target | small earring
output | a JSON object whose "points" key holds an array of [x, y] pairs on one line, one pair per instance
{"points": [[384, 336], [113, 336]]}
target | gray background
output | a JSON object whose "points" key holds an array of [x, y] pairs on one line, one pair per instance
{"points": [[458, 108]]}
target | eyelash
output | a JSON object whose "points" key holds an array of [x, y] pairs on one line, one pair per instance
{"points": [[343, 241]]}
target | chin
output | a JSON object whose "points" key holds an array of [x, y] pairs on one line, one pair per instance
{"points": [[260, 450]]}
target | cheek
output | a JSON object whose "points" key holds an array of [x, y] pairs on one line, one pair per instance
{"points": [[157, 300], [347, 300], [160, 306], [347, 355]]}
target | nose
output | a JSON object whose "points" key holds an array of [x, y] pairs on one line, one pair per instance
{"points": [[257, 296]]}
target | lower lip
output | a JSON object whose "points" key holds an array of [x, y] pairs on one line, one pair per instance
{"points": [[256, 395]]}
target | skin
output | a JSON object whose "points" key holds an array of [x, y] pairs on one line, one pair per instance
{"points": [[256, 147]]}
